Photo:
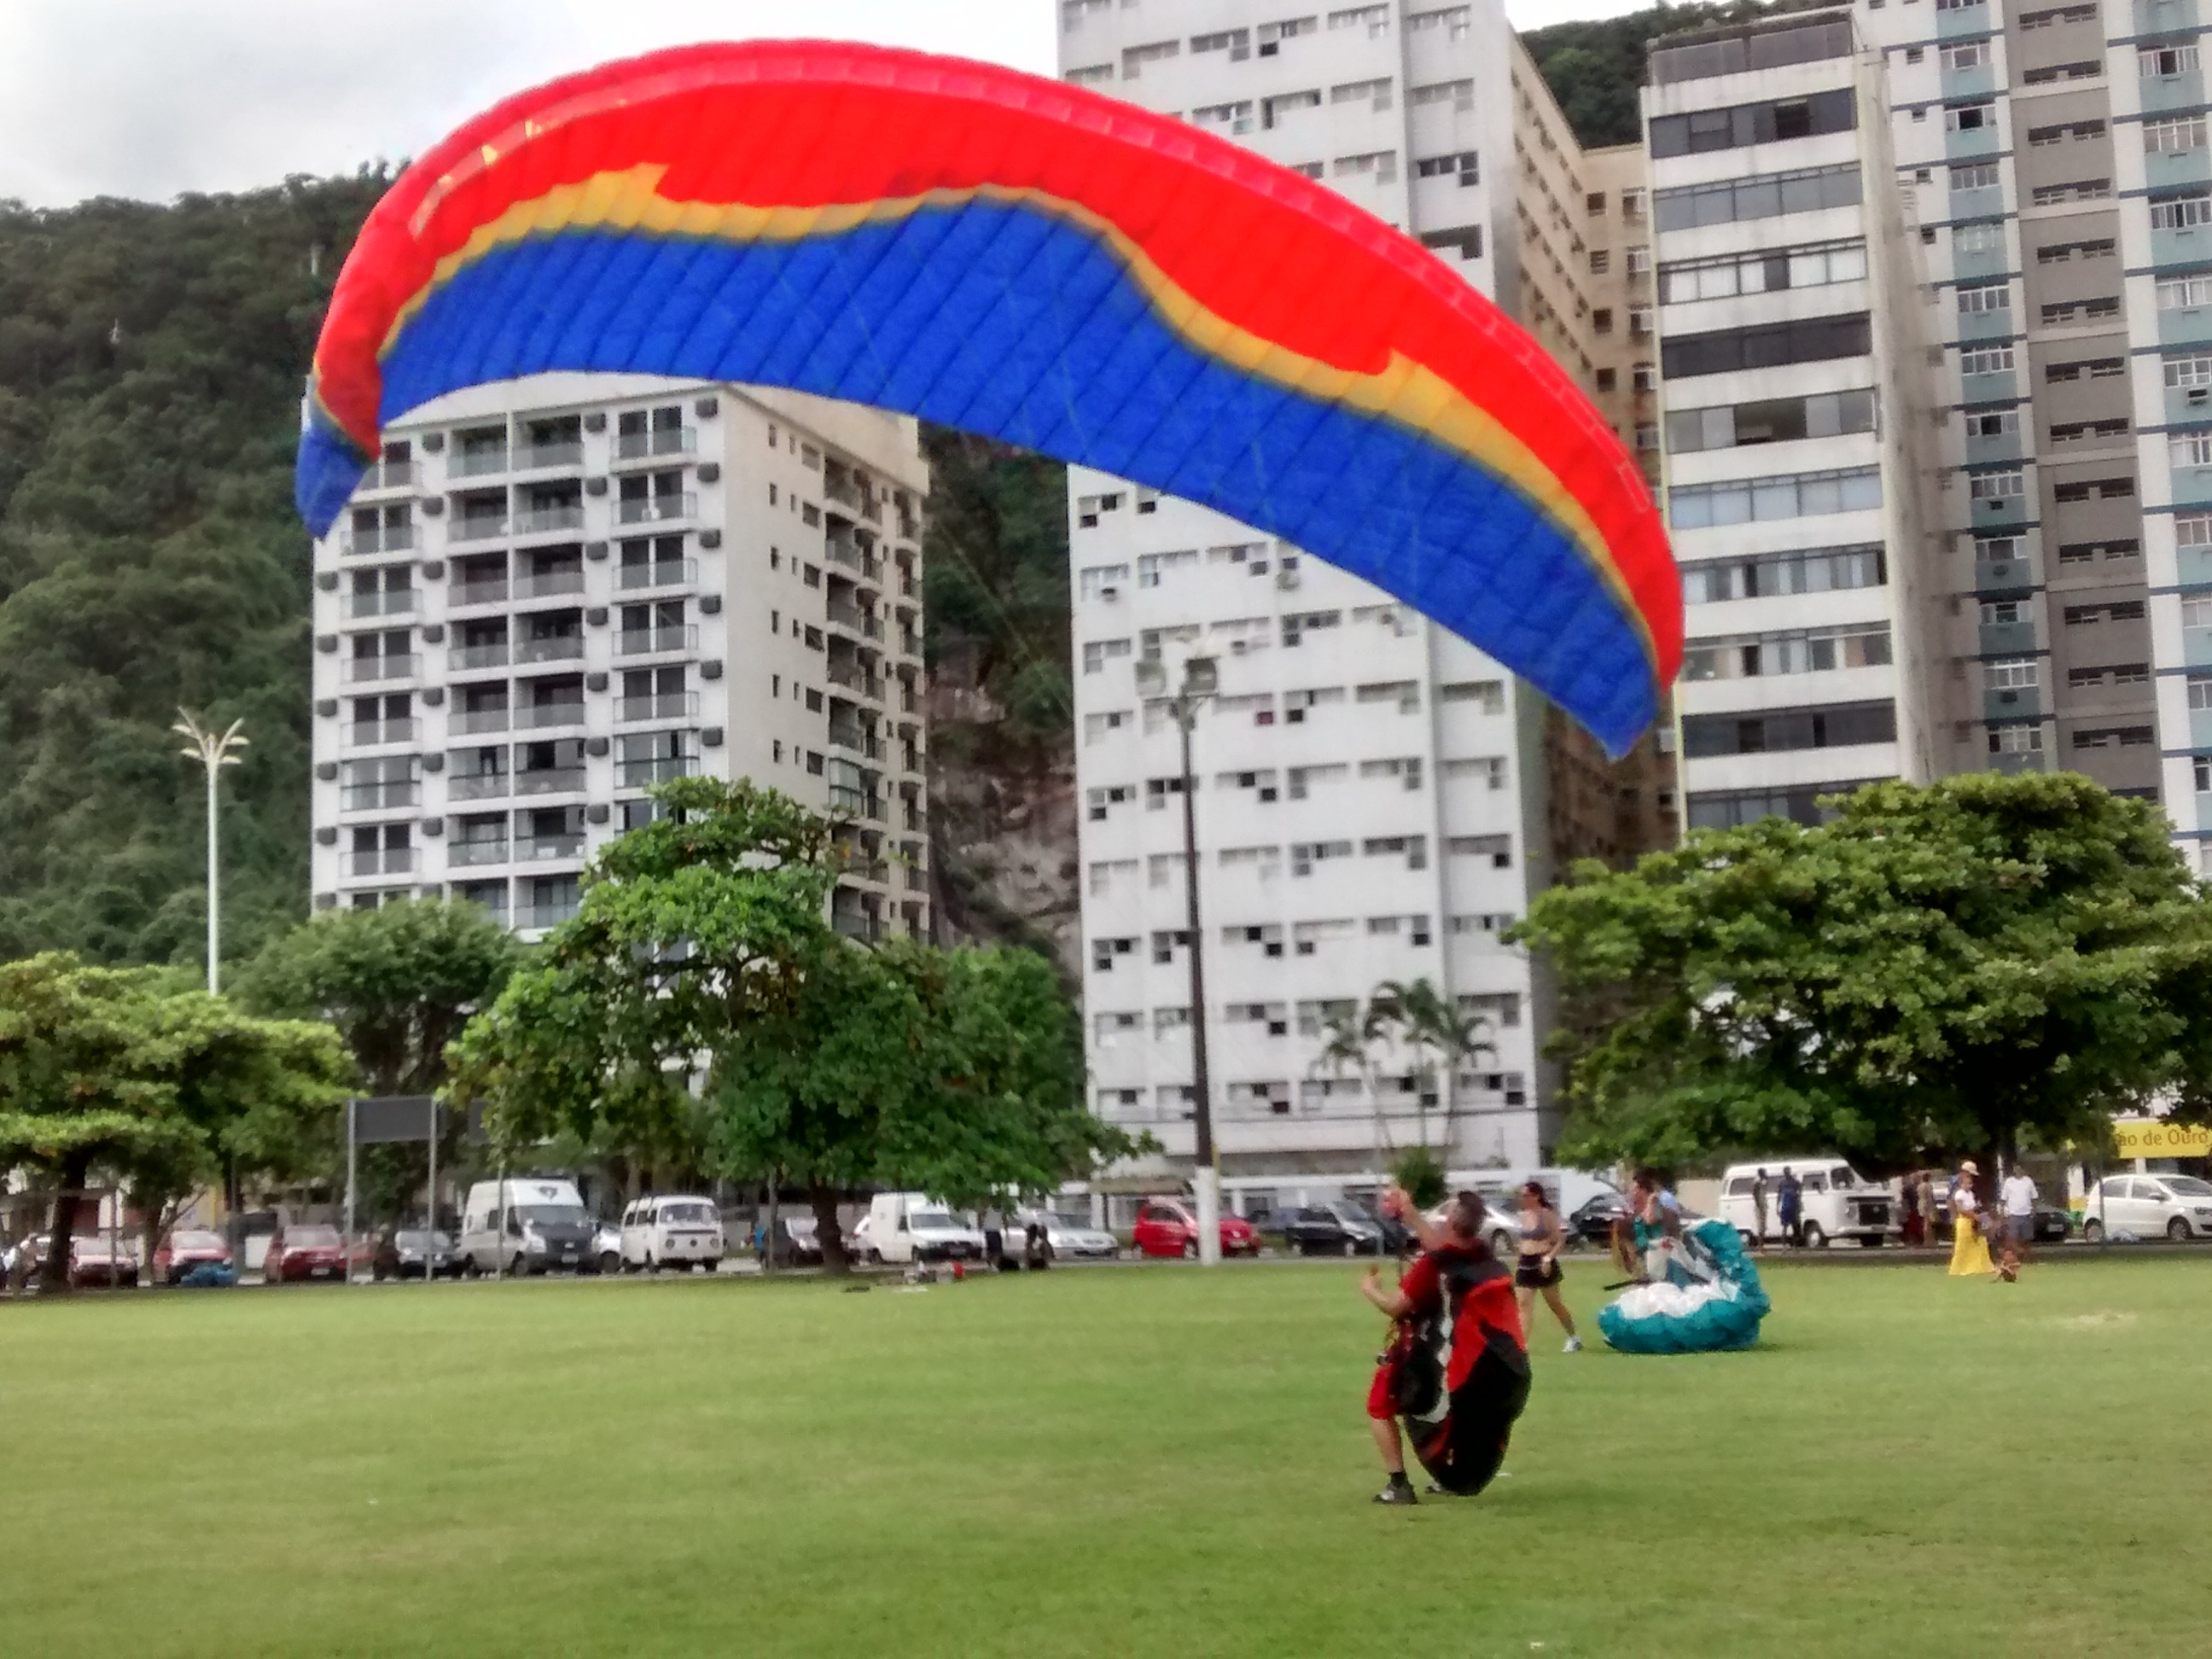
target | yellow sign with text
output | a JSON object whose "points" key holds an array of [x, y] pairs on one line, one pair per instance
{"points": [[2150, 1137]]}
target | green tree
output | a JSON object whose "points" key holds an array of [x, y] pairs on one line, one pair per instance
{"points": [[1425, 1024], [113, 1069], [399, 982], [700, 966], [1944, 967]]}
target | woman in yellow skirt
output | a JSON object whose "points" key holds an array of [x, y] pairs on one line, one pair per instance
{"points": [[1970, 1251]]}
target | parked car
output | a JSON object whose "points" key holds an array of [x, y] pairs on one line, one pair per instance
{"points": [[1166, 1226], [185, 1249], [1066, 1237], [97, 1259], [414, 1253], [606, 1245], [1836, 1201], [798, 1242], [681, 1230], [526, 1225], [2175, 1206], [1338, 1228], [906, 1227], [302, 1252], [1592, 1221]]}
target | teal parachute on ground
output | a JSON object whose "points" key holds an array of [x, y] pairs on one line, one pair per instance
{"points": [[1704, 1297]]}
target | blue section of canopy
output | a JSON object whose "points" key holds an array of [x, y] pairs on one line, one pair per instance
{"points": [[1000, 320]]}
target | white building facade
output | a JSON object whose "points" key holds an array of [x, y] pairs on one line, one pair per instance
{"points": [[1370, 790], [1794, 385], [556, 591]]}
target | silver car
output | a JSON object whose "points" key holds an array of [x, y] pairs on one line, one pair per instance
{"points": [[1070, 1240]]}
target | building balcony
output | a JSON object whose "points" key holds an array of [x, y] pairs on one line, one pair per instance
{"points": [[380, 862], [1979, 80], [2160, 93], [365, 671], [473, 659], [371, 734], [549, 584], [2010, 765], [2197, 647], [2018, 703], [549, 781], [656, 641], [387, 475], [537, 918], [1978, 326], [2003, 387], [2189, 245], [461, 595], [917, 878], [391, 602], [657, 509], [662, 440], [855, 803], [379, 797], [476, 462], [869, 567], [2168, 169], [667, 706], [391, 539], [856, 739], [476, 785], [550, 520], [853, 678], [537, 458], [473, 852], [464, 722], [1961, 22], [858, 924], [538, 849], [550, 648], [2194, 565], [477, 527], [667, 573], [2200, 732], [539, 716], [642, 774], [2013, 639]]}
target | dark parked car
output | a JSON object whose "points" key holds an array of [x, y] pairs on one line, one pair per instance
{"points": [[798, 1241], [303, 1252], [413, 1252], [90, 1260], [1333, 1230], [1592, 1222]]}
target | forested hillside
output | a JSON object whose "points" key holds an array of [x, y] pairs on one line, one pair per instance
{"points": [[151, 368], [151, 360], [1596, 69]]}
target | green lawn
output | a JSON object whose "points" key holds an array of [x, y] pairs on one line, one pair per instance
{"points": [[1152, 1461]]}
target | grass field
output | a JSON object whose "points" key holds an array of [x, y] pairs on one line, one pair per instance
{"points": [[1147, 1460]]}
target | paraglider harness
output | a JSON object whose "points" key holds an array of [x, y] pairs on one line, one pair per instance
{"points": [[1460, 1438]]}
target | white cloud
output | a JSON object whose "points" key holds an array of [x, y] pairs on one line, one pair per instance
{"points": [[151, 98]]}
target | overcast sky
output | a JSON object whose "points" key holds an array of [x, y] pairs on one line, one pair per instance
{"points": [[149, 98]]}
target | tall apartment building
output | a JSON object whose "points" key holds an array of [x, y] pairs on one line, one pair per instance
{"points": [[1794, 374], [555, 591], [2058, 156], [1376, 799]]}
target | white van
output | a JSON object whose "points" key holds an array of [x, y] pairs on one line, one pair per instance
{"points": [[905, 1227], [526, 1224], [675, 1230], [1837, 1201]]}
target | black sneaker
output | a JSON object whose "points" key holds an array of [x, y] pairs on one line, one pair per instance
{"points": [[1399, 1490]]}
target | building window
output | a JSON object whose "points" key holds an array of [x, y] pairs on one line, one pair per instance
{"points": [[1762, 196], [2176, 58], [1785, 496]]}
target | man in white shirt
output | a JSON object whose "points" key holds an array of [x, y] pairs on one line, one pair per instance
{"points": [[2018, 1195]]}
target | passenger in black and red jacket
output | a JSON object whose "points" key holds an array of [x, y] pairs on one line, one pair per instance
{"points": [[1457, 1367]]}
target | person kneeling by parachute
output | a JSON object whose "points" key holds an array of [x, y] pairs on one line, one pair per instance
{"points": [[1698, 1291], [1457, 1367]]}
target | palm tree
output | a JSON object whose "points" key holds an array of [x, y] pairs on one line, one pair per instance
{"points": [[1348, 1044], [1440, 1037]]}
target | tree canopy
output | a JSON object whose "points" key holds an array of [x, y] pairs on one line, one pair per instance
{"points": [[700, 992], [114, 1069], [399, 982], [1942, 967]]}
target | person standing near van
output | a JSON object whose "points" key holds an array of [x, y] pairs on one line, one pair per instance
{"points": [[1759, 1209], [1792, 1206], [1536, 1269], [2018, 1196]]}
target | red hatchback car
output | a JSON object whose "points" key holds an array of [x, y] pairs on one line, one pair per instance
{"points": [[1165, 1226], [304, 1252], [186, 1249]]}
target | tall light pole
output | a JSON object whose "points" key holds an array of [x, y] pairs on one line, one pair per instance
{"points": [[214, 752], [1200, 680]]}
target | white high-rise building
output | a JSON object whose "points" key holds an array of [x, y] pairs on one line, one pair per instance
{"points": [[1793, 366], [1373, 795], [555, 591]]}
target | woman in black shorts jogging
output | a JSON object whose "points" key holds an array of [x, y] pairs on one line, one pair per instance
{"points": [[1537, 1268]]}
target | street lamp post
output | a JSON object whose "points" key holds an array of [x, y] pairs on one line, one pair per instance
{"points": [[1200, 680], [214, 752]]}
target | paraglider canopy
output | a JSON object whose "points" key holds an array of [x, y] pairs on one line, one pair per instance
{"points": [[1035, 262]]}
